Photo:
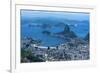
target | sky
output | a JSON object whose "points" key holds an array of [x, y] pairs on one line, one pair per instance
{"points": [[31, 14]]}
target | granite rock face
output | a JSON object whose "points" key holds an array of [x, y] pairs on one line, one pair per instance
{"points": [[87, 37], [67, 33]]}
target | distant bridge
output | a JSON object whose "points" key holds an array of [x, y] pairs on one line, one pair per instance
{"points": [[44, 47]]}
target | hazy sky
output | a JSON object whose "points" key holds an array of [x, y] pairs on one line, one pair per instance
{"points": [[66, 15]]}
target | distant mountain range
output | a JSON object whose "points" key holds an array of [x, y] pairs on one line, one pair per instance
{"points": [[48, 20]]}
